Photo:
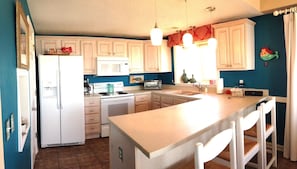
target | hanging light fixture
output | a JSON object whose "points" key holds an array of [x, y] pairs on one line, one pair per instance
{"points": [[187, 37], [156, 33], [212, 42]]}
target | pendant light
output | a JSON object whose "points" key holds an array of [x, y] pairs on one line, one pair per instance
{"points": [[187, 37], [156, 33], [212, 42]]}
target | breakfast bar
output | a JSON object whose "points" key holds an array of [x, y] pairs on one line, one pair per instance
{"points": [[164, 138]]}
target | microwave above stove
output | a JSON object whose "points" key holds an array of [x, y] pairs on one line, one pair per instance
{"points": [[152, 84], [112, 66]]}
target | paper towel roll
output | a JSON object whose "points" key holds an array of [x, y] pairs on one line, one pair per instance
{"points": [[220, 86]]}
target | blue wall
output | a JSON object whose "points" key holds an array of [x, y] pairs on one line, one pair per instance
{"points": [[8, 85], [269, 32]]}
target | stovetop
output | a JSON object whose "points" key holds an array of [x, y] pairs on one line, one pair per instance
{"points": [[101, 89]]}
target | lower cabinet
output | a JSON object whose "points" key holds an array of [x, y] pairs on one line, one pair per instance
{"points": [[142, 102], [156, 101], [92, 117]]}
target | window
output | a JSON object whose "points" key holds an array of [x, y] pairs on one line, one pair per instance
{"points": [[198, 60]]}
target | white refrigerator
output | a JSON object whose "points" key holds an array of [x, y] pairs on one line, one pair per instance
{"points": [[61, 100]]}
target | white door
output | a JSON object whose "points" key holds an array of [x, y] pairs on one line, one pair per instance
{"points": [[49, 100], [72, 99]]}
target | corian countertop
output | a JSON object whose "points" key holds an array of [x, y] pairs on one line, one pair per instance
{"points": [[157, 131]]}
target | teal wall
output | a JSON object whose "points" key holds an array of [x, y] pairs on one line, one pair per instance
{"points": [[269, 32], [8, 85]]}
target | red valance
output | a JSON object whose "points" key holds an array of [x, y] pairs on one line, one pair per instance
{"points": [[198, 33]]}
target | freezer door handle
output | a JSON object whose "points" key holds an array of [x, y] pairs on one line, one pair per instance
{"points": [[58, 89]]}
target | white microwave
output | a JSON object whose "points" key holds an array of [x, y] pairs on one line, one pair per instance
{"points": [[112, 66]]}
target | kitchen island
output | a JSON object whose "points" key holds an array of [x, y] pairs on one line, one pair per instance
{"points": [[165, 138]]}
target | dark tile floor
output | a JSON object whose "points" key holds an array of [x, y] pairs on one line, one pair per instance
{"points": [[95, 155]]}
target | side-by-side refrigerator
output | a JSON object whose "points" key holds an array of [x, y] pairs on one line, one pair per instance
{"points": [[61, 100]]}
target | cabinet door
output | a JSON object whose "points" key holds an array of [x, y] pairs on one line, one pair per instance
{"points": [[222, 36], [104, 47], [166, 61], [237, 46], [74, 44], [47, 44], [88, 50], [151, 58], [120, 48], [135, 54]]}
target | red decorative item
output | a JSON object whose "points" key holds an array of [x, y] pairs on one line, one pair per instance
{"points": [[66, 49], [198, 33]]}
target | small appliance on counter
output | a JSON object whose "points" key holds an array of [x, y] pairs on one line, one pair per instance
{"points": [[87, 87], [152, 84]]}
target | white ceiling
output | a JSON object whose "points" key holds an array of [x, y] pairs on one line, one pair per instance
{"points": [[130, 18]]}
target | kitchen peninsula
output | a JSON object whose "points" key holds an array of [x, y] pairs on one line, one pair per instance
{"points": [[164, 138]]}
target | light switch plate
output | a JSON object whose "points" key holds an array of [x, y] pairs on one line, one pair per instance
{"points": [[7, 129], [12, 122]]}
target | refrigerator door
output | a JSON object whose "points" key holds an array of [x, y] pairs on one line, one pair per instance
{"points": [[49, 100], [72, 99]]}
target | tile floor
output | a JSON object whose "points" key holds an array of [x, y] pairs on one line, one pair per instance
{"points": [[93, 155]]}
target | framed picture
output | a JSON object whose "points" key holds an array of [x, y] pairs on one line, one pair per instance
{"points": [[22, 37]]}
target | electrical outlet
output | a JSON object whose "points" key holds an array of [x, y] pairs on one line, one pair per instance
{"points": [[12, 122], [7, 129]]}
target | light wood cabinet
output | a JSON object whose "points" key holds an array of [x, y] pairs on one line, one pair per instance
{"points": [[142, 102], [156, 101], [166, 100], [111, 47], [44, 43], [157, 58], [73, 43], [236, 45], [88, 51], [92, 117], [135, 55]]}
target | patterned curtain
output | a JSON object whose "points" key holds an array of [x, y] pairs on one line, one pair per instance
{"points": [[198, 33]]}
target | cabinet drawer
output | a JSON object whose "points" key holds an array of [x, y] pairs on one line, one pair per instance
{"points": [[92, 128], [141, 107], [92, 118], [141, 98], [167, 100], [92, 110], [92, 101], [156, 105], [156, 98], [179, 100]]}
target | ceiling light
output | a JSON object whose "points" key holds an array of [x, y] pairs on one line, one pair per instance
{"points": [[156, 36], [187, 37], [156, 33], [212, 42]]}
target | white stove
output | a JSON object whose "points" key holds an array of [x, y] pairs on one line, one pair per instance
{"points": [[113, 104]]}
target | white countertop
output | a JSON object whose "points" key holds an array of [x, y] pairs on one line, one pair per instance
{"points": [[157, 131]]}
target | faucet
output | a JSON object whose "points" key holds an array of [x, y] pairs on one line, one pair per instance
{"points": [[200, 86]]}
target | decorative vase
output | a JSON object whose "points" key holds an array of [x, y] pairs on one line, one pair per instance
{"points": [[184, 77], [192, 80]]}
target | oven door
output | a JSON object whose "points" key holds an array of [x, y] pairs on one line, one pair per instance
{"points": [[115, 106]]}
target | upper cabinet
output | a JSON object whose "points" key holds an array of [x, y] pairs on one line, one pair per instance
{"points": [[88, 51], [236, 45], [111, 47], [135, 55], [45, 43], [143, 57], [157, 58]]}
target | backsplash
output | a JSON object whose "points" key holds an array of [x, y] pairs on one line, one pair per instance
{"points": [[165, 77]]}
